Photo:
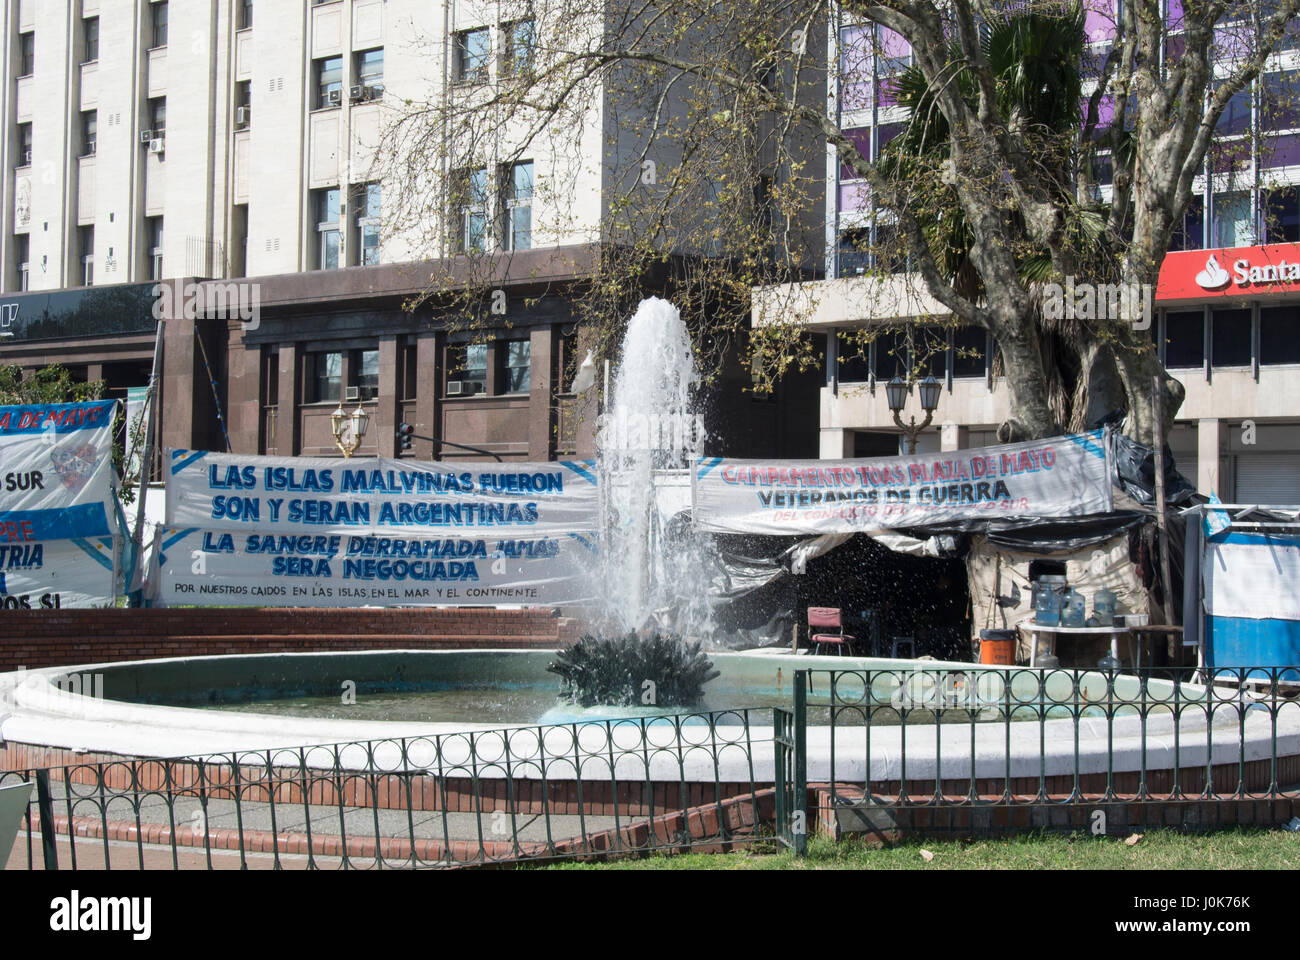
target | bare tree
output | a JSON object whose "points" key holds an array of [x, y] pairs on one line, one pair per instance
{"points": [[685, 142]]}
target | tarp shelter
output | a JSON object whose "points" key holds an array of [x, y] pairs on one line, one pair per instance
{"points": [[1084, 502]]}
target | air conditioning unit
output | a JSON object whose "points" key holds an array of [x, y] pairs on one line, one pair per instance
{"points": [[356, 92], [372, 93], [146, 136], [352, 393], [156, 145], [243, 116], [462, 388], [334, 98], [27, 158]]}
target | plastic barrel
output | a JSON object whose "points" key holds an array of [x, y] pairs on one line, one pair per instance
{"points": [[998, 647]]}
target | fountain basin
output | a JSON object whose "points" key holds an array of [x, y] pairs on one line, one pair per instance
{"points": [[151, 709]]}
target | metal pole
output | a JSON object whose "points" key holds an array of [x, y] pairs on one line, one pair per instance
{"points": [[801, 825], [146, 460], [46, 809], [1158, 433]]}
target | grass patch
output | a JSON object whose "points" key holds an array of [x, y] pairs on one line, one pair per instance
{"points": [[1232, 849]]}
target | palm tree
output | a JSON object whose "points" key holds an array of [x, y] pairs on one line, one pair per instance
{"points": [[1037, 61]]}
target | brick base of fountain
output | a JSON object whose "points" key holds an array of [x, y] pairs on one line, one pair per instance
{"points": [[55, 638]]}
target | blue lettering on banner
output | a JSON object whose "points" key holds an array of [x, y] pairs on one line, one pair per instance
{"points": [[59, 417]]}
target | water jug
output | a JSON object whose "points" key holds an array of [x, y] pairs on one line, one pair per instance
{"points": [[1072, 612], [1103, 606], [1047, 604]]}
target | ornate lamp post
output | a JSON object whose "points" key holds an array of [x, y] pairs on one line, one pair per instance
{"points": [[896, 392], [349, 428]]}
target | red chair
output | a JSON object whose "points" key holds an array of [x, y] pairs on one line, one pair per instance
{"points": [[828, 618]]}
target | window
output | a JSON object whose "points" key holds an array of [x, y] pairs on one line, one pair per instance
{"points": [[891, 355], [329, 82], [22, 256], [89, 126], [243, 104], [89, 39], [364, 373], [1279, 335], [514, 359], [325, 378], [327, 229], [1233, 224], [519, 42], [158, 24], [1231, 340], [153, 229], [370, 73], [86, 246], [855, 256], [1281, 216], [1235, 118], [469, 199], [158, 117], [472, 49], [367, 201], [24, 144], [1189, 232], [26, 54], [466, 369], [518, 211], [969, 344], [245, 20], [1185, 339]]}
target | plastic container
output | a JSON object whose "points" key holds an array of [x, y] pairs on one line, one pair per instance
{"points": [[998, 647], [1047, 604], [1074, 609], [1103, 607]]}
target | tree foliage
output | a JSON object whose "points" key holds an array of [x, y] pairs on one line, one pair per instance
{"points": [[681, 146]]}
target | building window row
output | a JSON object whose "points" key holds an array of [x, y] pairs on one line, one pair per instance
{"points": [[473, 51], [367, 222], [472, 204], [367, 78], [466, 368], [1239, 337]]}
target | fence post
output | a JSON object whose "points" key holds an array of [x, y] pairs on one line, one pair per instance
{"points": [[46, 807], [801, 762]]}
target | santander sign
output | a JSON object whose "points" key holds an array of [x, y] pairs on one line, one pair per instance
{"points": [[1252, 272]]}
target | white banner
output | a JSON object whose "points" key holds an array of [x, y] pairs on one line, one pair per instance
{"points": [[221, 567], [1057, 477], [1254, 576], [58, 480], [58, 506], [390, 498], [58, 573]]}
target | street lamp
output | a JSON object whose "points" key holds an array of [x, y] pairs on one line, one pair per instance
{"points": [[896, 392], [347, 440]]}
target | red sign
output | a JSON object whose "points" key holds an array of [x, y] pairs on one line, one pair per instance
{"points": [[1235, 272]]}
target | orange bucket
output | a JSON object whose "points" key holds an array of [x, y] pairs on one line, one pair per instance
{"points": [[998, 647]]}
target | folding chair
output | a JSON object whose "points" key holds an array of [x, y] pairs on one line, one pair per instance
{"points": [[828, 618]]}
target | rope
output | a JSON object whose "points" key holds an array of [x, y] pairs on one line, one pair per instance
{"points": [[216, 402]]}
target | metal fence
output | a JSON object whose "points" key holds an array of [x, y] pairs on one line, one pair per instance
{"points": [[852, 741], [943, 737], [631, 786]]}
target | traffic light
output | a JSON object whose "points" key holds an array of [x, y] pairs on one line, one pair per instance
{"points": [[406, 431]]}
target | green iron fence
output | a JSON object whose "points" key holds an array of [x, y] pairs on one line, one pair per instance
{"points": [[939, 737], [535, 793]]}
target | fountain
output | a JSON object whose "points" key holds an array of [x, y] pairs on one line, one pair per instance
{"points": [[647, 440], [654, 614]]}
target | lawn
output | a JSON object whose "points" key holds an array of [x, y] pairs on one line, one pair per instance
{"points": [[1234, 849]]}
